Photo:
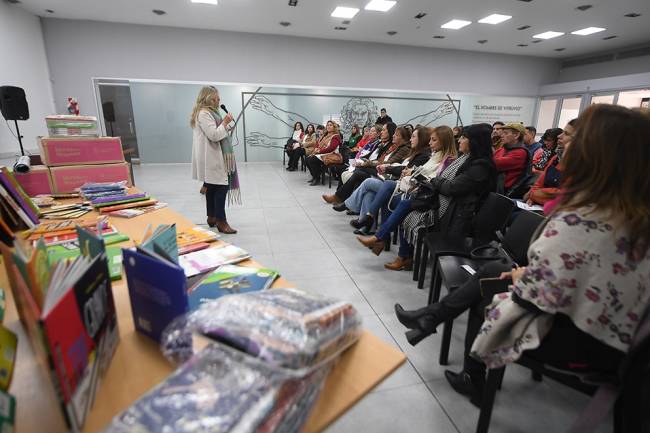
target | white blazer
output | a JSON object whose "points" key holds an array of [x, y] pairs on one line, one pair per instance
{"points": [[207, 160]]}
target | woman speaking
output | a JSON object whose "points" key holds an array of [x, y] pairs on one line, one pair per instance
{"points": [[213, 157]]}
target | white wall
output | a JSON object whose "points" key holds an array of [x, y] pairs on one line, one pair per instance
{"points": [[631, 81], [80, 50], [24, 64]]}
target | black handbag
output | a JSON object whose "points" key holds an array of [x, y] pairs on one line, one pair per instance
{"points": [[425, 197]]}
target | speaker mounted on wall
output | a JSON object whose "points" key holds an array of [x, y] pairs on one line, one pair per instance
{"points": [[13, 103]]}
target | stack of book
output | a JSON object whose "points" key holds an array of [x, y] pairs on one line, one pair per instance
{"points": [[159, 279], [17, 211], [69, 315], [66, 124]]}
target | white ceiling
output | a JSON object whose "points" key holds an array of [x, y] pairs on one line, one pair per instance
{"points": [[311, 18]]}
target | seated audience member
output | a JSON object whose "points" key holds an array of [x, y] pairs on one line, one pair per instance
{"points": [[355, 136], [373, 141], [496, 134], [512, 158], [409, 127], [547, 186], [544, 155], [461, 187], [383, 117], [307, 140], [458, 131], [388, 152], [328, 143], [365, 139], [529, 140], [294, 142], [378, 191], [586, 288]]}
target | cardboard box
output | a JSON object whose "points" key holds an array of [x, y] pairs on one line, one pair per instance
{"points": [[68, 178], [36, 181], [58, 151]]}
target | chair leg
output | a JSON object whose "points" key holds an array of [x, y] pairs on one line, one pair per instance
{"points": [[445, 343], [436, 285], [395, 237], [424, 261], [416, 258], [487, 401]]}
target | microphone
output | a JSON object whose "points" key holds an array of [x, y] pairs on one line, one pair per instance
{"points": [[223, 107]]}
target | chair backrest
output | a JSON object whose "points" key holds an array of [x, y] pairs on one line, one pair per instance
{"points": [[519, 235], [492, 216]]}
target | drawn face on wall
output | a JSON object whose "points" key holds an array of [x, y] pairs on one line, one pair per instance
{"points": [[360, 111]]}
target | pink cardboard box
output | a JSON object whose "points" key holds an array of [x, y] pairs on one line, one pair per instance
{"points": [[69, 178], [57, 151], [36, 181]]}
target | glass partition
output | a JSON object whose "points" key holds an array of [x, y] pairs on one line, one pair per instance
{"points": [[267, 114], [570, 110], [546, 116]]}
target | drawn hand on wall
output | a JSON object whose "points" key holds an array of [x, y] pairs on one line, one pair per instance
{"points": [[426, 119], [266, 106], [259, 139]]}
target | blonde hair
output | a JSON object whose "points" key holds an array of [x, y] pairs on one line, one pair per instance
{"points": [[336, 126], [203, 101], [446, 138]]}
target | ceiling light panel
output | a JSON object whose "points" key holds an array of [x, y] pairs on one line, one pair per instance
{"points": [[455, 24], [343, 12], [588, 31], [206, 2], [548, 35], [380, 5], [494, 19]]}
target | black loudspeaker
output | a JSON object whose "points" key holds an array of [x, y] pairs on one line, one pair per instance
{"points": [[109, 111], [13, 104]]}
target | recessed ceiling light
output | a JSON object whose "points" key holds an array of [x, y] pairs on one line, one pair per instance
{"points": [[522, 45], [343, 12], [49, 11], [438, 37], [285, 23], [206, 2], [420, 15], [380, 5], [606, 38], [632, 15], [455, 24], [159, 12], [340, 28], [548, 35], [523, 27], [560, 49], [584, 7], [482, 41], [494, 19], [588, 31], [391, 33], [293, 2]]}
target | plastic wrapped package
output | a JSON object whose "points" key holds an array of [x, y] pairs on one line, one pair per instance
{"points": [[223, 390], [287, 328]]}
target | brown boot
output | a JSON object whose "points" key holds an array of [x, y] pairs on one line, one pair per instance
{"points": [[224, 227], [400, 264], [376, 245], [331, 198], [203, 189], [212, 221]]}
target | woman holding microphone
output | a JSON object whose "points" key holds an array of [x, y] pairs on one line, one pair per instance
{"points": [[213, 157]]}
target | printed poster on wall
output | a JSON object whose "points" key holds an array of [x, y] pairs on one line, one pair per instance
{"points": [[487, 109]]}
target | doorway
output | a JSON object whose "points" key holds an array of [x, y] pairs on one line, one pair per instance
{"points": [[117, 116]]}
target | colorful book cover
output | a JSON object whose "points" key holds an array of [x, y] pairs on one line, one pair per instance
{"points": [[141, 203], [206, 260], [157, 290], [71, 251], [195, 235], [14, 188], [231, 279], [21, 219], [8, 344], [163, 241], [123, 200]]}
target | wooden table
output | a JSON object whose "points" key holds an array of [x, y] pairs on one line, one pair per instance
{"points": [[138, 364]]}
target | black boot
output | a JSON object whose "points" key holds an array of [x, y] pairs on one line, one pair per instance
{"points": [[467, 385], [340, 207], [409, 318]]}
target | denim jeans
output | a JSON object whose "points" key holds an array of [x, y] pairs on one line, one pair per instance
{"points": [[363, 195], [380, 199], [395, 219]]}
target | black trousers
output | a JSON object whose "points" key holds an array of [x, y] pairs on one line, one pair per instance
{"points": [[215, 200], [565, 344], [346, 190], [315, 166], [294, 156]]}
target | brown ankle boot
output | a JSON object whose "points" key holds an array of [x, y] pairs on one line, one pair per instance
{"points": [[376, 245], [212, 221], [400, 264], [331, 198], [224, 227]]}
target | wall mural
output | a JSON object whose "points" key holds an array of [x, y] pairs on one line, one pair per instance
{"points": [[270, 118]]}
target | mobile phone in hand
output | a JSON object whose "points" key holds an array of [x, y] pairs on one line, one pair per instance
{"points": [[492, 286]]}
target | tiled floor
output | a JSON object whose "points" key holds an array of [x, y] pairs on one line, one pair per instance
{"points": [[285, 224]]}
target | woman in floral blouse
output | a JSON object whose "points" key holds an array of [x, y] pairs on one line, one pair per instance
{"points": [[587, 284]]}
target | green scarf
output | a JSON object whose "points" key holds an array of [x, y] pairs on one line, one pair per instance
{"points": [[228, 151]]}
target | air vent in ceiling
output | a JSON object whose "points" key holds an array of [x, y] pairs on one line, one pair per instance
{"points": [[522, 45], [526, 1], [584, 7], [536, 41], [632, 15], [391, 33], [482, 41], [159, 12], [285, 23], [523, 27], [420, 15], [13, 2], [340, 28], [438, 37], [49, 11], [606, 38], [636, 52], [560, 49]]}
